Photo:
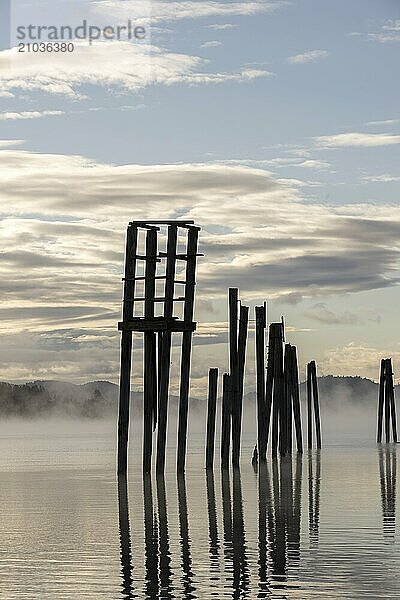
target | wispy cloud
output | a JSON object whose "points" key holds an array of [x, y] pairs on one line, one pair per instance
{"points": [[16, 116], [357, 139], [137, 69], [173, 11], [386, 122], [308, 57], [211, 44], [381, 178], [389, 32], [221, 26]]}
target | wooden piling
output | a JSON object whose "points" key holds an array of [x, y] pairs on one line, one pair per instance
{"points": [[150, 349], [390, 400], [278, 387], [211, 412], [126, 352], [381, 401], [286, 418], [191, 261], [260, 374], [387, 399], [316, 404], [269, 384], [238, 405], [309, 406], [296, 400], [165, 354], [226, 421]]}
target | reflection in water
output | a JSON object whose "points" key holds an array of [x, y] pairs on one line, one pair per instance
{"points": [[240, 567], [234, 533], [279, 522], [387, 474], [164, 551], [212, 521], [314, 492], [151, 540], [125, 540], [186, 563]]}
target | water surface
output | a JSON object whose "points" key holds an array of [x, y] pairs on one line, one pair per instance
{"points": [[318, 526]]}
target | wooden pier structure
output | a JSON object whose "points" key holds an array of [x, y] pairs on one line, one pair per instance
{"points": [[153, 313]]}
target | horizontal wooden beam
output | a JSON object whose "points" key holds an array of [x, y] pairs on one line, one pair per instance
{"points": [[156, 325]]}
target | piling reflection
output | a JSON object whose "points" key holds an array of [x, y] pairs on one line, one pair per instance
{"points": [[387, 475], [279, 522], [125, 540], [240, 565], [163, 541], [186, 559], [314, 492], [235, 551], [212, 521], [151, 540]]}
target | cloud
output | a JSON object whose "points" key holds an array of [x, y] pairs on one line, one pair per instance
{"points": [[318, 165], [381, 178], [173, 11], [63, 224], [211, 44], [221, 26], [139, 66], [356, 357], [367, 140], [390, 32], [320, 313], [15, 116], [307, 57], [386, 122], [10, 143]]}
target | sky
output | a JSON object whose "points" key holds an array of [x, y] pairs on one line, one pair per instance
{"points": [[275, 125]]}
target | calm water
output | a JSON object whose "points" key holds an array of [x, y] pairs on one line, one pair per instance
{"points": [[318, 527]]}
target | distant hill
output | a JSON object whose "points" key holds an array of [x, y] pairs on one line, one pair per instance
{"points": [[93, 400], [99, 399]]}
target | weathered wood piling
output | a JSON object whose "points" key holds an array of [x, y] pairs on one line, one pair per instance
{"points": [[211, 414], [386, 402], [233, 382], [313, 405]]}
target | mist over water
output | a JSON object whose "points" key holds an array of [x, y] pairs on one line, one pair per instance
{"points": [[320, 525]]}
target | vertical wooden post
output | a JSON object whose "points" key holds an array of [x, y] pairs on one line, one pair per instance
{"points": [[237, 413], [316, 404], [226, 420], [391, 400], [287, 402], [164, 365], [233, 364], [126, 351], [381, 400], [150, 349], [387, 400], [211, 411], [269, 385], [309, 406], [296, 400], [191, 258], [260, 373], [278, 387]]}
